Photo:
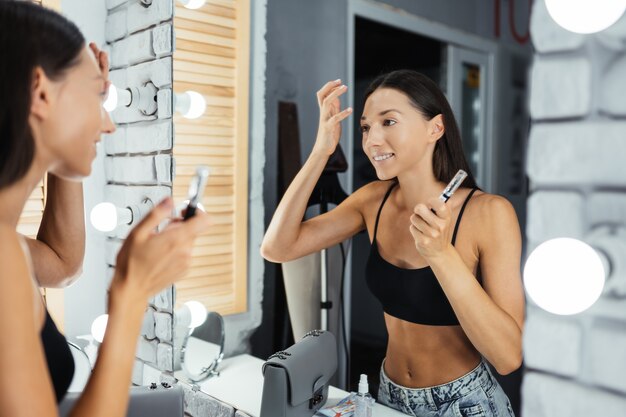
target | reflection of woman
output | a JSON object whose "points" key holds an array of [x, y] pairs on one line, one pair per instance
{"points": [[51, 117], [451, 290]]}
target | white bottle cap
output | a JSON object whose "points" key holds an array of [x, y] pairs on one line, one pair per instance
{"points": [[363, 386]]}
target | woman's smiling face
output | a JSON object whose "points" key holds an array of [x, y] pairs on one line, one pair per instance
{"points": [[396, 136]]}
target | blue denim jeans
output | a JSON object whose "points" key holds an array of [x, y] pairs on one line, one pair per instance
{"points": [[475, 394]]}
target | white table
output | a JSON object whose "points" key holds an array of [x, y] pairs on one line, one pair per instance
{"points": [[240, 384]]}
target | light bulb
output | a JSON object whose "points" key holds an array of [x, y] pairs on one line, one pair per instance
{"points": [[111, 102], [564, 276], [192, 4], [99, 326], [585, 16], [198, 313], [191, 314], [117, 96], [105, 216], [190, 104]]}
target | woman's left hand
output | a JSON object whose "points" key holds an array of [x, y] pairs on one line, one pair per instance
{"points": [[431, 231], [103, 62]]}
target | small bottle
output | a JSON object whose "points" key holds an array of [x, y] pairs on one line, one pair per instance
{"points": [[363, 400]]}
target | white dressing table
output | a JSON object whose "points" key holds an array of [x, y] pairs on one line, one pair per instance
{"points": [[240, 384]]}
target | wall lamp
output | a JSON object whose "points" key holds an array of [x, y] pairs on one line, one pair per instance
{"points": [[584, 16], [189, 104], [106, 216], [567, 276]]}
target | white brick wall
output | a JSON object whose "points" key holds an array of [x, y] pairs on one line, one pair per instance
{"points": [[139, 163], [576, 365], [547, 396]]}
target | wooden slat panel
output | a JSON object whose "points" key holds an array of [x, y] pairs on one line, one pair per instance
{"points": [[205, 69], [198, 16], [28, 229], [203, 140], [204, 160], [204, 130], [210, 121], [191, 46], [217, 10], [183, 180], [191, 56], [203, 283], [224, 3], [209, 60], [203, 27], [204, 38], [211, 93], [215, 171], [220, 191]]}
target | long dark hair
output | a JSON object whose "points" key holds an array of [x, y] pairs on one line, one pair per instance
{"points": [[428, 99], [30, 36]]}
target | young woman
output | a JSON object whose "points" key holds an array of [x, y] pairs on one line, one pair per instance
{"points": [[51, 118], [450, 289]]}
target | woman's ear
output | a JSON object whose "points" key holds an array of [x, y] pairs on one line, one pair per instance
{"points": [[40, 94], [436, 127]]}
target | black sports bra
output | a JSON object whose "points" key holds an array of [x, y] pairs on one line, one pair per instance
{"points": [[58, 356], [413, 295]]}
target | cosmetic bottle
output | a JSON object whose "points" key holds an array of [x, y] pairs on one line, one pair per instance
{"points": [[363, 400]]}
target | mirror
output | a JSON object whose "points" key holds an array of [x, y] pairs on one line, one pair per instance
{"points": [[203, 349]]}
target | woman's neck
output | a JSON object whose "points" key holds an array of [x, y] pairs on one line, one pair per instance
{"points": [[418, 187], [13, 197]]}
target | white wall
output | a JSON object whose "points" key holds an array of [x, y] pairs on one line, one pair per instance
{"points": [[85, 299]]}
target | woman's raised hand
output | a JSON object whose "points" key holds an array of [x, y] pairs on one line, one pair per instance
{"points": [[103, 62], [149, 261], [331, 115]]}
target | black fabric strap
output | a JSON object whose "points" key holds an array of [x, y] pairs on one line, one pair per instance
{"points": [[458, 220], [381, 209]]}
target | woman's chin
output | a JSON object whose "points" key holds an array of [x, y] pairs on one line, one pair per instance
{"points": [[384, 176], [71, 175]]}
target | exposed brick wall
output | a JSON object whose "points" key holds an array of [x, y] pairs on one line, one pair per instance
{"points": [[576, 364], [139, 163]]}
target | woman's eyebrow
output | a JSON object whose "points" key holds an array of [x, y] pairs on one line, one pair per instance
{"points": [[384, 112]]}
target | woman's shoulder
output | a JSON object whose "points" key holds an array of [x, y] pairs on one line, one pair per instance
{"points": [[11, 240], [488, 211], [374, 191], [12, 254], [487, 204]]}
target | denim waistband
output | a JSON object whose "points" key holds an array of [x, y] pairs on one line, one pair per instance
{"points": [[450, 391]]}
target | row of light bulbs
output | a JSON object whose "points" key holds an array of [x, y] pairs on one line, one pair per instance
{"points": [[189, 104], [190, 315]]}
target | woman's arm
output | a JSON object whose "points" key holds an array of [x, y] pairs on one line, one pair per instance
{"points": [[287, 236], [59, 249], [147, 263], [492, 316]]}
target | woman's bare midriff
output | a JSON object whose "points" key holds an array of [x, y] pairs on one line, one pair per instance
{"points": [[420, 356]]}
